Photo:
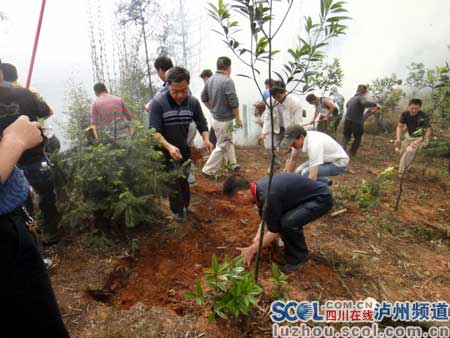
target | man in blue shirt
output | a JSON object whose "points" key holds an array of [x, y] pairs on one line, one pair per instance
{"points": [[294, 201], [28, 302]]}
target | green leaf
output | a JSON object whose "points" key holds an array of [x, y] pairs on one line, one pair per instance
{"points": [[279, 76], [211, 318], [243, 75], [190, 295], [274, 52], [337, 18], [198, 289], [221, 314], [214, 264]]}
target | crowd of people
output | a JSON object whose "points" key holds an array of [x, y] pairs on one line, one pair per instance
{"points": [[299, 194]]}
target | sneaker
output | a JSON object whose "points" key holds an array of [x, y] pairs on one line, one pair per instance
{"points": [[289, 268], [191, 178], [48, 263], [235, 167]]}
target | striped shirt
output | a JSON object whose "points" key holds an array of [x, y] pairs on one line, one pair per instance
{"points": [[13, 192], [110, 114], [172, 120]]}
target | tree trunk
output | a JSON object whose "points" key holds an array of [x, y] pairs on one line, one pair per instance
{"points": [[147, 59]]}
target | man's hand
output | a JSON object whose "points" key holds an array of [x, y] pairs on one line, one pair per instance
{"points": [[175, 153], [261, 138], [398, 143], [248, 254], [24, 133], [256, 238], [209, 146]]}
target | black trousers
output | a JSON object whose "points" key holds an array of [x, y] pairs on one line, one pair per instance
{"points": [[42, 182], [355, 129], [336, 120], [180, 196], [28, 304], [292, 223]]}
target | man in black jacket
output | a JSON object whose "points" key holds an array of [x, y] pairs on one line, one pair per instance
{"points": [[353, 123], [34, 162], [294, 201]]}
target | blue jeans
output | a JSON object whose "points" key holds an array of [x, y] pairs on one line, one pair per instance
{"points": [[292, 222], [325, 170]]}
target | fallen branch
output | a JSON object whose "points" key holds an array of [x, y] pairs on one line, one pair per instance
{"points": [[339, 212], [346, 288], [200, 335], [432, 225], [429, 279]]}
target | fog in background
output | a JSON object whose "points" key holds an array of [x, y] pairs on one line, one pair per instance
{"points": [[384, 36]]}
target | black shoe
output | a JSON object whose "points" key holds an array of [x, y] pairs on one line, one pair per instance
{"points": [[235, 167], [330, 183], [289, 268]]}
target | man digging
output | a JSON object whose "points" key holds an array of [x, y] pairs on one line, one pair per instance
{"points": [[294, 201]]}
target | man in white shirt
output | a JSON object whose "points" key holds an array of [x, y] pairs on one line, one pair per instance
{"points": [[287, 112], [326, 157]]}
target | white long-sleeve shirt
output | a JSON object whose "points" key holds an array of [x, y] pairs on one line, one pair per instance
{"points": [[285, 114]]}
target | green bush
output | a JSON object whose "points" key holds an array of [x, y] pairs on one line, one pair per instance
{"points": [[367, 194], [115, 184], [231, 290]]}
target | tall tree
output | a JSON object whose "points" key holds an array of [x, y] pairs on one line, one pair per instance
{"points": [[144, 14]]}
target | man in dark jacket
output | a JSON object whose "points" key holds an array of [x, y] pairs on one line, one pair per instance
{"points": [[353, 123], [34, 162], [29, 307], [294, 201], [171, 112]]}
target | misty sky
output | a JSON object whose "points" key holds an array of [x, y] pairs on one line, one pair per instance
{"points": [[383, 37]]}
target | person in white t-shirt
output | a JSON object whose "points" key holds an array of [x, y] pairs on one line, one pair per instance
{"points": [[287, 112], [326, 157]]}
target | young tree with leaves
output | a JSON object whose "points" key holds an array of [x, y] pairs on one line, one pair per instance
{"points": [[326, 75], [387, 94], [262, 31]]}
